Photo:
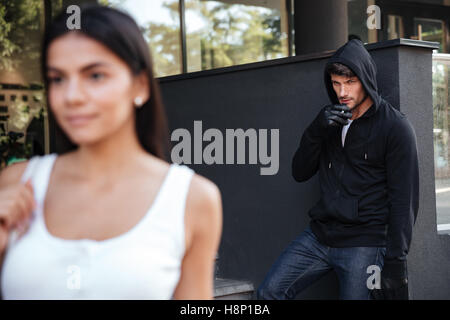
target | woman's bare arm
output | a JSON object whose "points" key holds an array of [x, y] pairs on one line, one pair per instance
{"points": [[203, 221]]}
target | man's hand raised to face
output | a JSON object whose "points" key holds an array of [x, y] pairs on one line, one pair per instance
{"points": [[336, 115]]}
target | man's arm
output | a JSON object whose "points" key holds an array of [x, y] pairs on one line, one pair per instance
{"points": [[306, 159], [403, 192]]}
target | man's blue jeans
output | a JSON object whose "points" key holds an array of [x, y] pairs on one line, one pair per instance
{"points": [[306, 260]]}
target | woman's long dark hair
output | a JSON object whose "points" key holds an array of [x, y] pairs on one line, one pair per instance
{"points": [[119, 33]]}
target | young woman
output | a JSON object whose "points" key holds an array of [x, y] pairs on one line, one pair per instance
{"points": [[108, 218]]}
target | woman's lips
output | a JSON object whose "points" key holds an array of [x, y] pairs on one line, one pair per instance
{"points": [[80, 120]]}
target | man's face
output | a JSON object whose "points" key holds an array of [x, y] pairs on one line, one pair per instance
{"points": [[349, 90]]}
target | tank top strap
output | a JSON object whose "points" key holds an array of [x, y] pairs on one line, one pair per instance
{"points": [[176, 187], [169, 211], [32, 163], [39, 169]]}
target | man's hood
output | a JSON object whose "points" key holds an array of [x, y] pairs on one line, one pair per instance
{"points": [[355, 56]]}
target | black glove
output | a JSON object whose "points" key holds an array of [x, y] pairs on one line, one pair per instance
{"points": [[329, 116], [393, 282], [336, 115]]}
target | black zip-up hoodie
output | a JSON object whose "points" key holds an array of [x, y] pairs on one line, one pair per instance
{"points": [[369, 187]]}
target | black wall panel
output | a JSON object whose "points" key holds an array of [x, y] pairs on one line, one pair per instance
{"points": [[262, 214]]}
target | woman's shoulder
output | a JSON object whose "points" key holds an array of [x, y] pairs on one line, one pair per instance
{"points": [[203, 195], [12, 173], [204, 201], [201, 189]]}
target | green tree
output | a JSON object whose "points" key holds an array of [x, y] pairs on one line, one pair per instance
{"points": [[20, 30], [233, 34], [237, 34]]}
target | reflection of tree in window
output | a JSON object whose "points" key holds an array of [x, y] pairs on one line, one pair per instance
{"points": [[233, 34], [431, 30], [229, 34], [163, 37], [20, 22], [21, 26], [441, 119], [164, 40]]}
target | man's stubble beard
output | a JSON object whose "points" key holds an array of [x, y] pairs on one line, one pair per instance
{"points": [[358, 105]]}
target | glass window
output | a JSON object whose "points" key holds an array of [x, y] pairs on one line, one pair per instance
{"points": [[395, 27], [23, 124], [441, 113], [159, 21], [217, 33], [226, 33], [430, 30], [357, 19]]}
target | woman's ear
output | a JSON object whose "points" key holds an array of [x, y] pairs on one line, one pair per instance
{"points": [[142, 87]]}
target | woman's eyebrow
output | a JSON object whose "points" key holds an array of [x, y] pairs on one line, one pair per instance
{"points": [[85, 68]]}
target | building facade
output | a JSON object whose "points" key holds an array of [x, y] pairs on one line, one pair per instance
{"points": [[197, 39]]}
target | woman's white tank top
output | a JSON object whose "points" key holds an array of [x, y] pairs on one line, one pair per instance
{"points": [[143, 263]]}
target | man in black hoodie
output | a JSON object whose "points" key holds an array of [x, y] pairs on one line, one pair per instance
{"points": [[365, 152]]}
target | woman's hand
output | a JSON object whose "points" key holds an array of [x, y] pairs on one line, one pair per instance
{"points": [[16, 205]]}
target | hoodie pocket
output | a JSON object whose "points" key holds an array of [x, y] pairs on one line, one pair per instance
{"points": [[340, 208]]}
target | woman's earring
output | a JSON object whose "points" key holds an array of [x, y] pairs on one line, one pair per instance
{"points": [[138, 102]]}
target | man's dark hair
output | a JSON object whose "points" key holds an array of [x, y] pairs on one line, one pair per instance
{"points": [[340, 70]]}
